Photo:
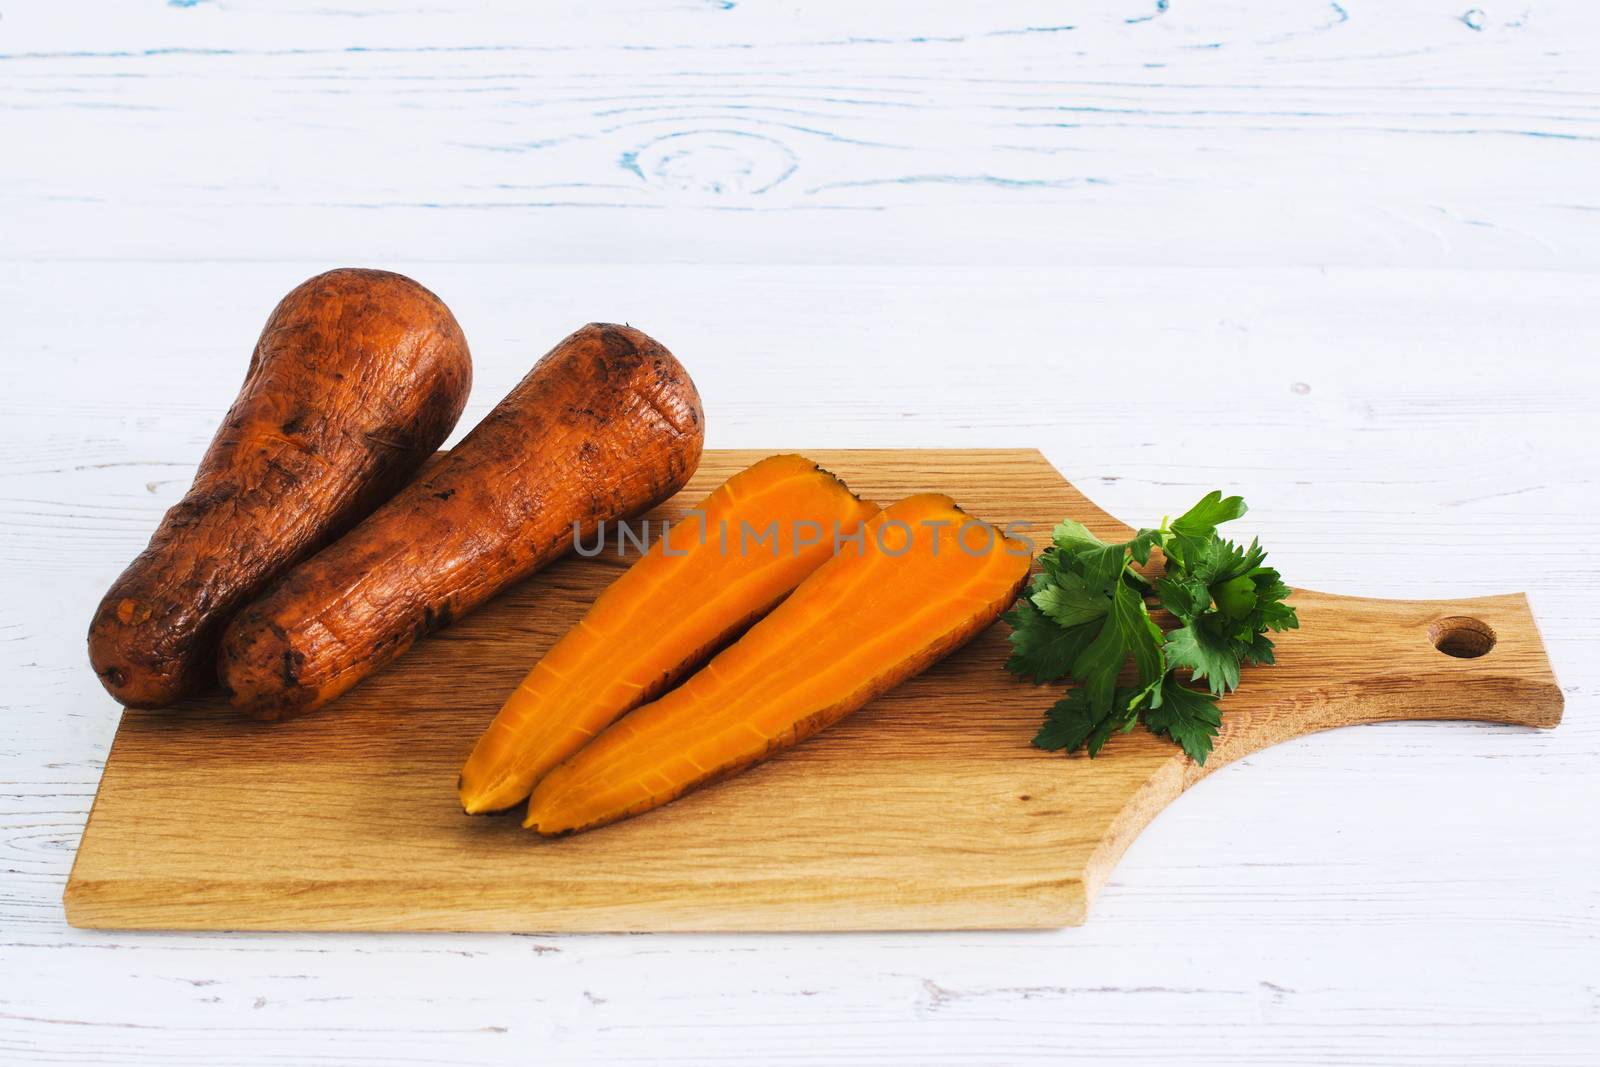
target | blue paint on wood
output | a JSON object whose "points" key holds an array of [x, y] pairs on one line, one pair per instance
{"points": [[1161, 9]]}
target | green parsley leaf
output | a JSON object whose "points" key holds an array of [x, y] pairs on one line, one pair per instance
{"points": [[1206, 653], [1074, 537], [1139, 548], [1069, 724], [1213, 510], [1097, 666], [1069, 601], [1101, 567], [1186, 598], [1040, 649], [1087, 614], [1140, 635], [1188, 716]]}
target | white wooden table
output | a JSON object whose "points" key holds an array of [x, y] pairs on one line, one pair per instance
{"points": [[1341, 257]]}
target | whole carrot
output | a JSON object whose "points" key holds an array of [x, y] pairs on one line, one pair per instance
{"points": [[606, 425]]}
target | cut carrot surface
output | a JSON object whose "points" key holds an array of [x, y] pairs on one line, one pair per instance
{"points": [[924, 579], [743, 549]]}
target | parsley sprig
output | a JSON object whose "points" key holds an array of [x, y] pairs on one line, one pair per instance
{"points": [[1088, 612]]}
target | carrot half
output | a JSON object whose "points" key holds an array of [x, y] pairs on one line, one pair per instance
{"points": [[743, 549], [924, 580]]}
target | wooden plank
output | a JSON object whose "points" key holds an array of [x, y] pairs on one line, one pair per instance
{"points": [[1122, 132], [1436, 443], [926, 810]]}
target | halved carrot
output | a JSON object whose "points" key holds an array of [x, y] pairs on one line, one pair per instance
{"points": [[744, 548], [924, 580]]}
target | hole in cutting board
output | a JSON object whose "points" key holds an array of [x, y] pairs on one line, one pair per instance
{"points": [[1462, 637]]}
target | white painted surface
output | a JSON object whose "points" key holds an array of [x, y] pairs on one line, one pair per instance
{"points": [[1341, 258]]}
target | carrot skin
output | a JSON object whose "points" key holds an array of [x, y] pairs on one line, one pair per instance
{"points": [[359, 375], [604, 426]]}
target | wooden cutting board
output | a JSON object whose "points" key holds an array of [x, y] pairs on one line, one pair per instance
{"points": [[925, 810]]}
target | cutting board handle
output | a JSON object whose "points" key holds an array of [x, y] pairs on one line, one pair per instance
{"points": [[1388, 660]]}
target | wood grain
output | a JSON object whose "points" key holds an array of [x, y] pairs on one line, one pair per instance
{"points": [[1117, 132], [1371, 242], [348, 819]]}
